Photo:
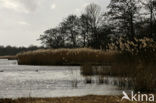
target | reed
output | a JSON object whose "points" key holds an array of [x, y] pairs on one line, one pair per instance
{"points": [[65, 57], [140, 70]]}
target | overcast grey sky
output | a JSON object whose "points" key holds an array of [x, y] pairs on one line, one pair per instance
{"points": [[22, 21]]}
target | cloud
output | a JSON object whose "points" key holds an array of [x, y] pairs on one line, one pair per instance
{"points": [[30, 5], [24, 6], [53, 6], [23, 23], [8, 4]]}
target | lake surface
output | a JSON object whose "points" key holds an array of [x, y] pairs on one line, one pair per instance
{"points": [[49, 81]]}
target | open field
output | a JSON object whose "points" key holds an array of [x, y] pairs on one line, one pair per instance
{"points": [[85, 99], [65, 57], [8, 57]]}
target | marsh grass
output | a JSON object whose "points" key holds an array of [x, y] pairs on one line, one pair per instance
{"points": [[93, 70], [144, 78], [139, 69], [84, 99], [65, 57]]}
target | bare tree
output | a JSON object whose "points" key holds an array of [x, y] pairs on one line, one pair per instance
{"points": [[94, 15], [85, 29], [150, 7], [71, 29], [125, 13], [52, 38]]}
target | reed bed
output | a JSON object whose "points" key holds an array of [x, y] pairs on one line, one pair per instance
{"points": [[65, 57], [140, 72]]}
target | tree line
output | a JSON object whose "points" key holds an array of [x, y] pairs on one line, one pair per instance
{"points": [[94, 28], [10, 50]]}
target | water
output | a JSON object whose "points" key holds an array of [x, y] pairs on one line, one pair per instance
{"points": [[48, 81]]}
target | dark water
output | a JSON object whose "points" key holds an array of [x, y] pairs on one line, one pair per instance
{"points": [[50, 81]]}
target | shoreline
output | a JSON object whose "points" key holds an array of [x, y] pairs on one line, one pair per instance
{"points": [[75, 99], [9, 57]]}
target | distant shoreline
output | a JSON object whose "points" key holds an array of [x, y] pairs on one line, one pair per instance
{"points": [[9, 57]]}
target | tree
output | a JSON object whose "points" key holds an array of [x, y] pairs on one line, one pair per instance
{"points": [[52, 38], [94, 19], [71, 29], [104, 33], [124, 13], [150, 7], [11, 50], [85, 29]]}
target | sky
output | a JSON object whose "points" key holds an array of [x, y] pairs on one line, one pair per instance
{"points": [[23, 21]]}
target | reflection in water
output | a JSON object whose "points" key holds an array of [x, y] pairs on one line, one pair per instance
{"points": [[121, 83], [51, 81], [103, 75], [88, 80], [8, 62]]}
